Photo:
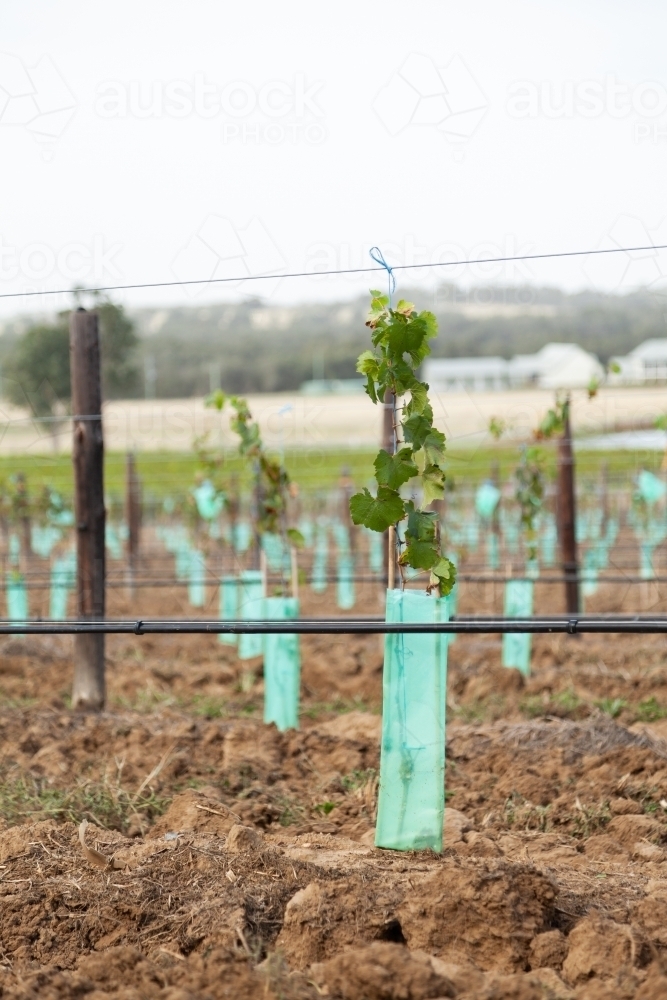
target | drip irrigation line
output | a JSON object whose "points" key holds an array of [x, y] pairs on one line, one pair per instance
{"points": [[314, 274], [570, 624], [119, 583]]}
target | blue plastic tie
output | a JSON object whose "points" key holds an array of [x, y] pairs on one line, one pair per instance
{"points": [[377, 256]]}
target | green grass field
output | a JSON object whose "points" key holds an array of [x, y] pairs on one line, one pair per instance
{"points": [[172, 474]]}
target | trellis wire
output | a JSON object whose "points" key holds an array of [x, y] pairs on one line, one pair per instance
{"points": [[570, 624]]}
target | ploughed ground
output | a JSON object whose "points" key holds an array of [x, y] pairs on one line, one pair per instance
{"points": [[238, 862]]}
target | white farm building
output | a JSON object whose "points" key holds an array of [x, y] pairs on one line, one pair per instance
{"points": [[645, 365], [555, 366]]}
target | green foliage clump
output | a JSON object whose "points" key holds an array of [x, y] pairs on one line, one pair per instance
{"points": [[529, 493], [400, 339], [272, 477], [650, 710], [37, 372]]}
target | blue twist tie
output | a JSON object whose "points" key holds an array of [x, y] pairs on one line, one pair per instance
{"points": [[376, 255]]}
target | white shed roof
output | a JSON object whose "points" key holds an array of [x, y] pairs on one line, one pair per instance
{"points": [[460, 367], [655, 349]]}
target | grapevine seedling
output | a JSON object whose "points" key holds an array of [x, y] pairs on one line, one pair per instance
{"points": [[400, 339], [272, 478]]}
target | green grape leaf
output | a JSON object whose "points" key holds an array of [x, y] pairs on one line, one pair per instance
{"points": [[421, 524], [405, 338], [434, 446], [420, 555], [370, 388], [295, 538], [367, 363], [419, 397], [216, 400], [443, 576], [404, 308], [416, 428], [394, 470], [433, 481], [377, 513]]}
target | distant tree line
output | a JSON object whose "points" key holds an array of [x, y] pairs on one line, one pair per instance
{"points": [[251, 346]]}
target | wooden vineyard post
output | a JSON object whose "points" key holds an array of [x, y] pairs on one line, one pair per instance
{"points": [[567, 516], [133, 519], [88, 457], [388, 444], [24, 508]]}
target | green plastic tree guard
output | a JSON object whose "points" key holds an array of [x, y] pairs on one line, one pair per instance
{"points": [[320, 558], [229, 607], [345, 583], [486, 499], [516, 645], [197, 579], [589, 583], [63, 579], [282, 668], [17, 597], [251, 607], [412, 759], [493, 550], [376, 543]]}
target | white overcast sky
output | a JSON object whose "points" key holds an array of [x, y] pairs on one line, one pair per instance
{"points": [[434, 129]]}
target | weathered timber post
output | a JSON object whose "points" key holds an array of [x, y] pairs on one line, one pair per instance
{"points": [[133, 519], [88, 457], [567, 516], [23, 505], [388, 444]]}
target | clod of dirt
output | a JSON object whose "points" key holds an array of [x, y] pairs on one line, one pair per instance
{"points": [[628, 830], [476, 845], [624, 807], [445, 910], [195, 810], [359, 726], [495, 680], [648, 852], [17, 840], [600, 947], [381, 972], [548, 950], [452, 908], [601, 846], [242, 838], [245, 744], [455, 825]]}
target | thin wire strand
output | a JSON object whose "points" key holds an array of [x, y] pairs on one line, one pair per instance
{"points": [[313, 274]]}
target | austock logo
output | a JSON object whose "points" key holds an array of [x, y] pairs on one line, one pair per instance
{"points": [[445, 98], [221, 250], [36, 98], [633, 269]]}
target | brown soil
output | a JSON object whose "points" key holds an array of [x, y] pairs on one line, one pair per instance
{"points": [[240, 860]]}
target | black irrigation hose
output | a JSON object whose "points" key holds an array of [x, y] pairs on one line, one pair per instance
{"points": [[570, 624], [214, 581]]}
